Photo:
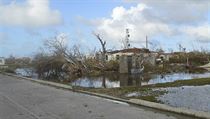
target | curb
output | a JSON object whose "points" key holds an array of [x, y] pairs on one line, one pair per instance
{"points": [[138, 102], [57, 85]]}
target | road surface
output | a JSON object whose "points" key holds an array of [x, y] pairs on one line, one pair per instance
{"points": [[22, 99]]}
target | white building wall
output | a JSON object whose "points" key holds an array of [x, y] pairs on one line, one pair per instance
{"points": [[115, 55], [149, 57]]}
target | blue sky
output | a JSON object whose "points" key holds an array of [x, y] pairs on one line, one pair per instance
{"points": [[25, 24]]}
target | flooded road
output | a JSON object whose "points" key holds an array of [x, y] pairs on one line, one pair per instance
{"points": [[192, 97], [122, 80]]}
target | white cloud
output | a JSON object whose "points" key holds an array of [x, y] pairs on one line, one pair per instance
{"points": [[32, 13], [164, 18], [179, 11], [113, 28], [201, 33]]}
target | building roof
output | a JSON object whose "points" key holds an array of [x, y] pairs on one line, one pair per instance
{"points": [[131, 50], [178, 52]]}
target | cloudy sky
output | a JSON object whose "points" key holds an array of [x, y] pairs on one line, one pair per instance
{"points": [[25, 24]]}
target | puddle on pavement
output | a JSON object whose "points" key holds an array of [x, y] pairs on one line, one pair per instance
{"points": [[192, 97]]}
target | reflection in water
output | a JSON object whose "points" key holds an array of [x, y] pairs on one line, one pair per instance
{"points": [[109, 82], [130, 80], [103, 81], [176, 76], [95, 82], [113, 80], [122, 80]]}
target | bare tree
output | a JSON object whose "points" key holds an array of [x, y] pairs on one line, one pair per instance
{"points": [[60, 61], [103, 45], [56, 45], [75, 51], [92, 52]]}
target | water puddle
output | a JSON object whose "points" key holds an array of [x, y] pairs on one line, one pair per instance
{"points": [[95, 82], [122, 80], [177, 76], [26, 72], [114, 80], [192, 97]]}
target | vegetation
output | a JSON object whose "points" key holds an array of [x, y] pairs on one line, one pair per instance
{"points": [[8, 70], [194, 58], [12, 63], [192, 82], [58, 61]]}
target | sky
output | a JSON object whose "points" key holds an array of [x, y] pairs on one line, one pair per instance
{"points": [[26, 24]]}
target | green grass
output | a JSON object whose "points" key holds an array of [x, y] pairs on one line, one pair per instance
{"points": [[178, 83]]}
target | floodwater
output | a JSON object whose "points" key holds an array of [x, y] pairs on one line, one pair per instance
{"points": [[26, 72], [121, 80], [113, 80], [192, 97]]}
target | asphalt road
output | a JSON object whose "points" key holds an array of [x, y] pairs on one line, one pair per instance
{"points": [[21, 99]]}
